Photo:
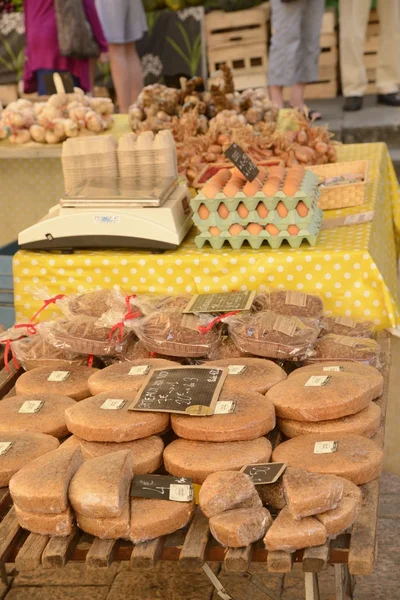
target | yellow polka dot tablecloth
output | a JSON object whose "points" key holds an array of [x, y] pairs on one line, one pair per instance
{"points": [[353, 268]]}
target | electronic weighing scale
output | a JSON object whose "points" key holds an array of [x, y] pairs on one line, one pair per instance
{"points": [[115, 214]]}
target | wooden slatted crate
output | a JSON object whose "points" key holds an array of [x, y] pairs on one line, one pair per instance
{"points": [[371, 46]]}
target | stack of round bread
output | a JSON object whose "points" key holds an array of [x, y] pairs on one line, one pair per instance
{"points": [[343, 404], [44, 380]]}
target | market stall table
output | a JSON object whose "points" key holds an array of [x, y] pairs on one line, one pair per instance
{"points": [[352, 553], [353, 267]]}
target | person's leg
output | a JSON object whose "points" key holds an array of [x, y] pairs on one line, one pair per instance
{"points": [[387, 73], [285, 45], [136, 73], [353, 19], [121, 75]]}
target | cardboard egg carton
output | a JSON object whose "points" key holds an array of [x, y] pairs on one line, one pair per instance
{"points": [[309, 233], [293, 218], [307, 193]]}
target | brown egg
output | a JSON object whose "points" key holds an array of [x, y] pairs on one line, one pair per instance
{"points": [[221, 176], [278, 171], [214, 230], [254, 228], [203, 212], [272, 186], [262, 210], [231, 189], [210, 190], [242, 211], [235, 229], [272, 229], [223, 211], [251, 188], [293, 229], [302, 209], [238, 174], [290, 188], [281, 210], [262, 173]]}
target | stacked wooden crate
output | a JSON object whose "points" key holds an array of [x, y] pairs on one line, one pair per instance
{"points": [[239, 39], [371, 46]]}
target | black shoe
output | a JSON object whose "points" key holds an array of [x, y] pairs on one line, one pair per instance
{"points": [[353, 103], [389, 99]]}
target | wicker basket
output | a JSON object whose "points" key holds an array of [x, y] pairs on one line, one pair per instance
{"points": [[86, 346], [180, 350], [343, 195], [270, 349], [57, 364]]}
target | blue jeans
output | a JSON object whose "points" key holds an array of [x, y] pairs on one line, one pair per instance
{"points": [[41, 87]]}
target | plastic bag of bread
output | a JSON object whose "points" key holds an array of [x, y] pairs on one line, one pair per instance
{"points": [[288, 302], [289, 535], [167, 332], [240, 527], [345, 347], [90, 304], [84, 335], [34, 351], [309, 494], [271, 335], [149, 304], [347, 326]]}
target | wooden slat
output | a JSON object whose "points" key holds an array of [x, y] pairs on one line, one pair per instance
{"points": [[8, 379], [101, 553], [59, 549], [144, 556], [194, 546], [238, 559], [30, 555], [279, 562], [9, 530], [315, 559], [363, 537]]}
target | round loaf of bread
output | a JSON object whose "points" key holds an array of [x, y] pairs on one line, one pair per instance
{"points": [[120, 378], [340, 518], [240, 527], [24, 448], [89, 421], [186, 458], [253, 416], [146, 453], [342, 394], [225, 490], [326, 368], [357, 458], [57, 525], [152, 518], [366, 422], [254, 374], [110, 529], [37, 382], [289, 535], [49, 419]]}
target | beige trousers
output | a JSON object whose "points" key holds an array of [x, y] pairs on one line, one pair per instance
{"points": [[353, 25]]}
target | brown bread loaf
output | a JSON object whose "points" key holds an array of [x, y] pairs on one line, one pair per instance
{"points": [[286, 302], [186, 458], [339, 519], [289, 535], [24, 448], [36, 382], [224, 490], [117, 379], [357, 458], [58, 525], [42, 485], [240, 527], [272, 494], [347, 326], [309, 494], [258, 375], [253, 416], [152, 518], [108, 528], [334, 347]]}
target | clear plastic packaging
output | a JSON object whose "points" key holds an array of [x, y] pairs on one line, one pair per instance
{"points": [[340, 347], [253, 374], [34, 351], [24, 447], [58, 525], [309, 494], [226, 349], [42, 485], [223, 491], [164, 332], [340, 518], [289, 535], [347, 326], [107, 528], [290, 303], [149, 304], [73, 383], [271, 335], [152, 518], [93, 303], [240, 527]]}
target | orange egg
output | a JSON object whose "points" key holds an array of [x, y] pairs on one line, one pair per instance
{"points": [[281, 210], [262, 210], [221, 176], [251, 188], [277, 171], [231, 189], [238, 174], [235, 229], [272, 229], [272, 186], [262, 173], [254, 228], [223, 211], [290, 188], [210, 190], [214, 230], [302, 209], [242, 211], [293, 229]]}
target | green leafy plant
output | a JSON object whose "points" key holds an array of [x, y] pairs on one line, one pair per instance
{"points": [[105, 71], [152, 18], [15, 62], [193, 56]]}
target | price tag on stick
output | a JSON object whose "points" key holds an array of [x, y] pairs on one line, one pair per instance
{"points": [[240, 159]]}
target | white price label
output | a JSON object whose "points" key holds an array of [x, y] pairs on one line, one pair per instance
{"points": [[285, 325], [333, 368], [180, 493], [142, 370], [325, 447], [296, 299], [113, 404], [363, 217], [224, 407], [236, 369], [4, 447], [317, 381], [31, 406], [59, 376]]}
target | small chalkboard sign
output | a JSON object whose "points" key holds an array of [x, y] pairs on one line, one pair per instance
{"points": [[162, 487], [223, 303], [185, 390], [240, 159], [262, 474]]}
